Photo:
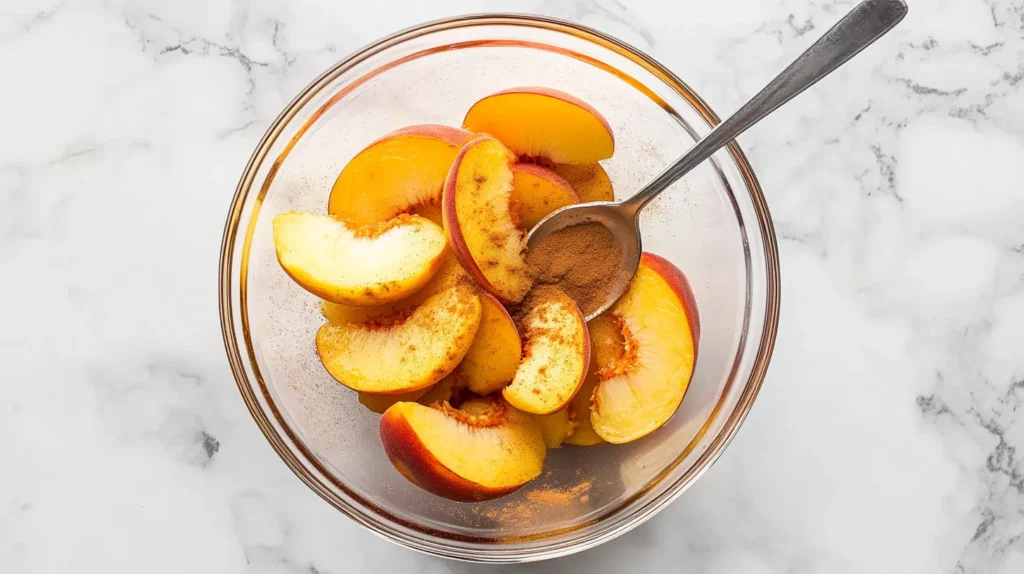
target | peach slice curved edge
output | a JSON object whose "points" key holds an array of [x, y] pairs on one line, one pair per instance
{"points": [[540, 122]]}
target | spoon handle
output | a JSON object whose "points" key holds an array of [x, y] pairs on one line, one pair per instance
{"points": [[867, 22]]}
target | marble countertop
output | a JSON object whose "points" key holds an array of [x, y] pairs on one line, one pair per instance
{"points": [[885, 438]]}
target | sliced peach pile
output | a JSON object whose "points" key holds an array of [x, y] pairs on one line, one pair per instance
{"points": [[643, 383], [402, 171], [358, 266], [482, 450], [404, 354], [542, 122], [434, 321], [556, 356]]}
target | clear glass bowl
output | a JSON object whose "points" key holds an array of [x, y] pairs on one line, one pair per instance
{"points": [[714, 225]]}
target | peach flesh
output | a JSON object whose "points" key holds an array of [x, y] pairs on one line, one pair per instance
{"points": [[640, 390], [543, 122], [537, 191], [406, 356], [401, 172], [478, 220], [481, 451]]}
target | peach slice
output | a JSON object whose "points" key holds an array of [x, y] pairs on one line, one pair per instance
{"points": [[494, 357], [381, 403], [407, 354], [483, 450], [590, 181], [555, 427], [641, 388], [448, 275], [607, 346], [556, 357], [478, 220], [579, 414], [542, 122], [537, 191], [368, 265], [402, 171]]}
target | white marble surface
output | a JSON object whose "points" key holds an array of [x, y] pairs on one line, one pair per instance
{"points": [[889, 436]]}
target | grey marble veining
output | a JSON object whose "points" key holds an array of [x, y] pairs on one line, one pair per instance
{"points": [[889, 436]]}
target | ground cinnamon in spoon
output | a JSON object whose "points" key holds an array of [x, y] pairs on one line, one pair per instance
{"points": [[582, 260]]}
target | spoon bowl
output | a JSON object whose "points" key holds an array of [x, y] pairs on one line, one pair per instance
{"points": [[623, 225]]}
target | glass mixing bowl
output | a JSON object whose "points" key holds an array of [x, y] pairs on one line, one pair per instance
{"points": [[713, 225]]}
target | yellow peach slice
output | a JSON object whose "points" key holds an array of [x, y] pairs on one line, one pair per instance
{"points": [[556, 357], [641, 389], [370, 265], [483, 450], [537, 191], [407, 355], [478, 220], [543, 122], [494, 357], [402, 171], [590, 181], [448, 275]]}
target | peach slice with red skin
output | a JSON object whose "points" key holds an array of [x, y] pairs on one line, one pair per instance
{"points": [[537, 191], [401, 172], [642, 385], [478, 221], [482, 450], [543, 122], [493, 358], [369, 265], [589, 181], [556, 357], [407, 354]]}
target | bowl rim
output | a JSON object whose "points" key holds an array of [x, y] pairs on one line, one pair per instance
{"points": [[735, 418]]}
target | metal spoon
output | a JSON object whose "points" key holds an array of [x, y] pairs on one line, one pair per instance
{"points": [[867, 22]]}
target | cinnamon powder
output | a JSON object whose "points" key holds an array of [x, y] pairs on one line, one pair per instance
{"points": [[582, 260]]}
